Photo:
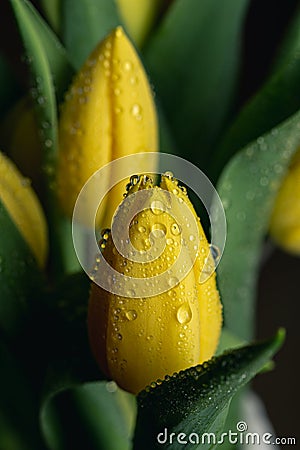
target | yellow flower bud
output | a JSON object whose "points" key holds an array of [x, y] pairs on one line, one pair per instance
{"points": [[285, 219], [108, 113], [139, 16], [24, 209], [137, 340]]}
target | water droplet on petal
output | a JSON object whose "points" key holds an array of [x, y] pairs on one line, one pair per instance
{"points": [[131, 315], [175, 229], [169, 175], [127, 66], [157, 207], [184, 314], [130, 293], [136, 111], [159, 230], [173, 281]]}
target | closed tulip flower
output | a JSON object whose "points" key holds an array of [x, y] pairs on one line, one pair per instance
{"points": [[24, 209], [172, 319], [285, 219], [108, 113]]}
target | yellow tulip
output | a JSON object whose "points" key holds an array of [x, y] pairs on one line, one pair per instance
{"points": [[108, 113], [139, 340], [24, 209], [139, 16], [285, 219]]}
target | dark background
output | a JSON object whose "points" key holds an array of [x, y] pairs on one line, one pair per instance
{"points": [[278, 287]]}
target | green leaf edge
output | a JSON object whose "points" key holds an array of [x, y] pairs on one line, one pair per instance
{"points": [[153, 399]]}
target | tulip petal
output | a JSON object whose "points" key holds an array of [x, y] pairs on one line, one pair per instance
{"points": [[137, 340], [285, 219], [108, 113], [24, 208]]}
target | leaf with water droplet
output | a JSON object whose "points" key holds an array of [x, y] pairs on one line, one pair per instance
{"points": [[248, 218], [20, 279], [51, 73], [196, 400]]}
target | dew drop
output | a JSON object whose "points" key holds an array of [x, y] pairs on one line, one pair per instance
{"points": [[105, 233], [142, 229], [127, 66], [111, 387], [131, 315], [169, 175], [130, 293], [175, 229], [264, 181], [48, 143], [133, 80], [118, 110], [25, 182], [136, 111], [159, 230], [157, 207], [184, 314], [173, 281]]}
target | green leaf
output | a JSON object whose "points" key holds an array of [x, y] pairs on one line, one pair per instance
{"points": [[194, 59], [248, 187], [69, 359], [42, 44], [290, 45], [228, 340], [20, 281], [51, 74], [52, 11], [94, 408], [85, 24], [94, 416], [43, 88], [196, 400], [278, 99]]}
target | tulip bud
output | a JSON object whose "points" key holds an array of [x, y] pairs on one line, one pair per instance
{"points": [[108, 113], [24, 209], [285, 219], [139, 339]]}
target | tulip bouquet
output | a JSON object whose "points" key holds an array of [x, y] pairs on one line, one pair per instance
{"points": [[151, 348]]}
